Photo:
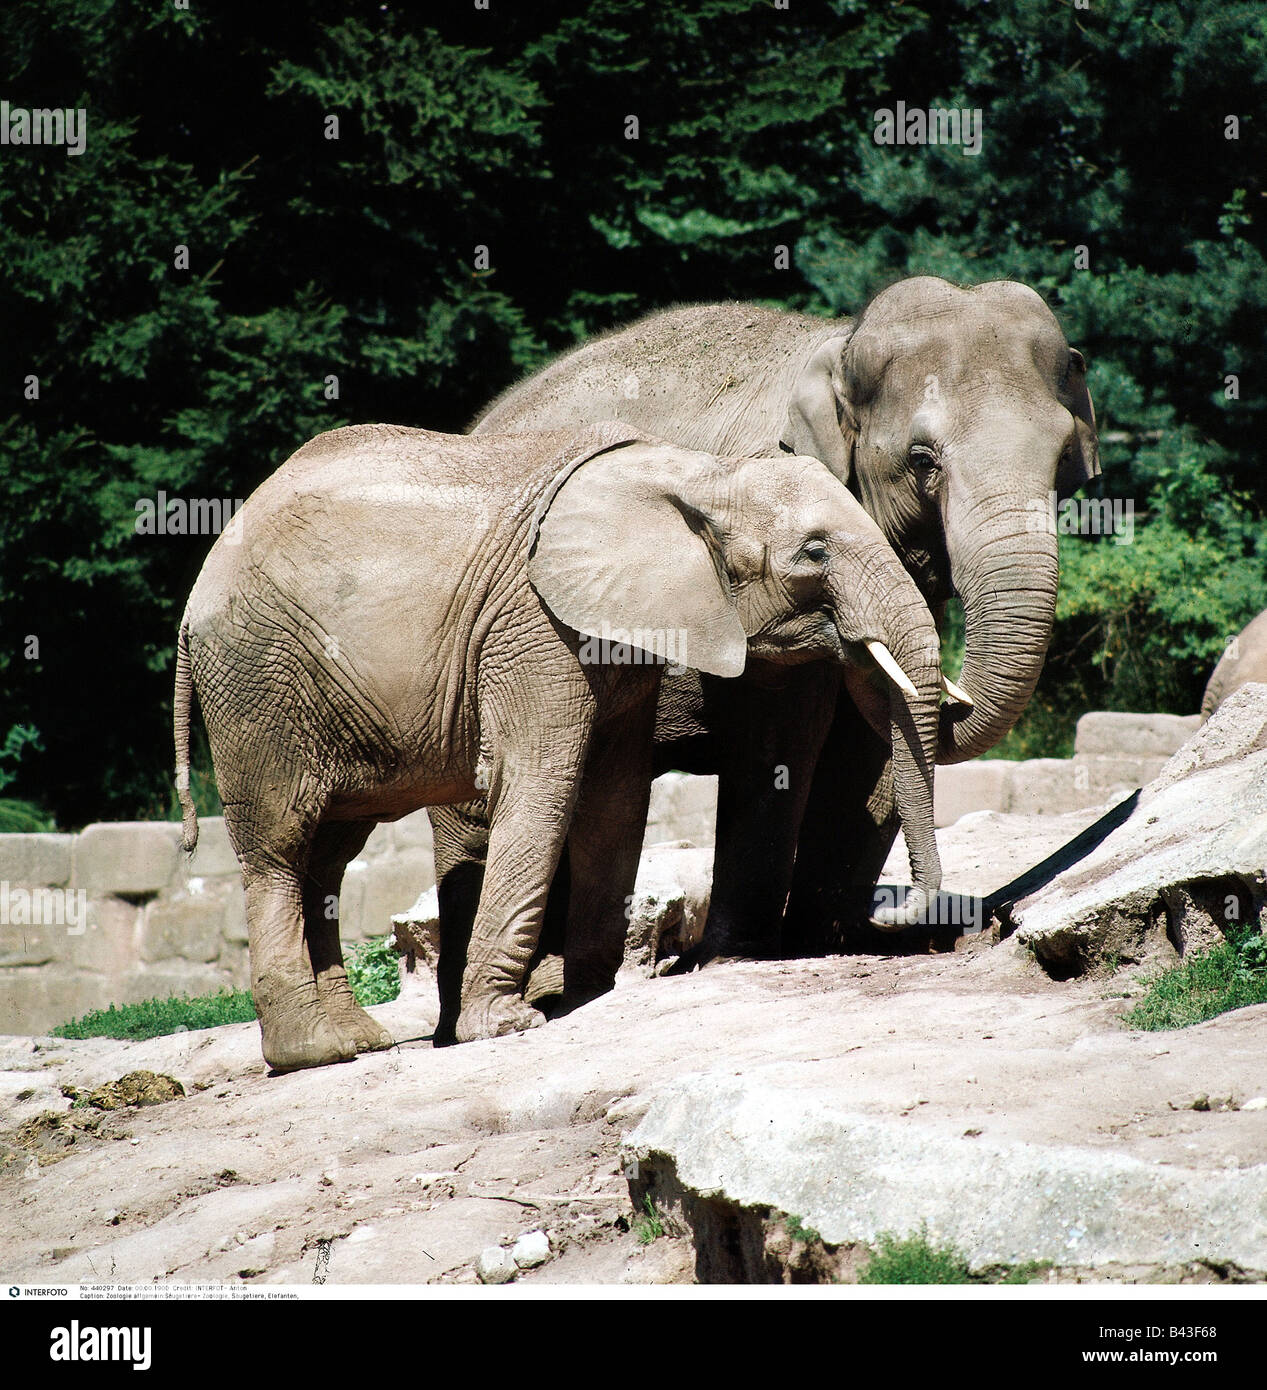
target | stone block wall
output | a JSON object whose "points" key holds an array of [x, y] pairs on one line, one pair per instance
{"points": [[118, 913]]}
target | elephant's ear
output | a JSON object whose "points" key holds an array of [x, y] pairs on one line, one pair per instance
{"points": [[1081, 461], [820, 421], [623, 547]]}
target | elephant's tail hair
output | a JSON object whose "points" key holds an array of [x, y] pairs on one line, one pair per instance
{"points": [[180, 719]]}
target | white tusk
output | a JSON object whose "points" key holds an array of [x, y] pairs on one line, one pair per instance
{"points": [[884, 660], [956, 692]]}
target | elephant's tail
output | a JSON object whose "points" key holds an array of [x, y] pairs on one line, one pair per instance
{"points": [[180, 719]]}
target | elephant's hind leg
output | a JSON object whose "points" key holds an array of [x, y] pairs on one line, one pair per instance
{"points": [[295, 1028], [335, 844]]}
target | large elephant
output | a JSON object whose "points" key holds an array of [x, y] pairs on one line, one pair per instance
{"points": [[957, 415], [402, 619], [1245, 660]]}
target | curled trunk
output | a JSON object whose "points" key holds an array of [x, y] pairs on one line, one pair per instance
{"points": [[1006, 577]]}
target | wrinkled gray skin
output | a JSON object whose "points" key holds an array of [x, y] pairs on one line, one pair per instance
{"points": [[952, 414], [1244, 661], [399, 623]]}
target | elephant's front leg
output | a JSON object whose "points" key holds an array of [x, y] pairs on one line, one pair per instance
{"points": [[771, 726], [604, 844], [530, 807], [460, 837], [850, 824]]}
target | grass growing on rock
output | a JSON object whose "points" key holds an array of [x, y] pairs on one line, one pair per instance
{"points": [[1228, 976], [373, 972], [916, 1260]]}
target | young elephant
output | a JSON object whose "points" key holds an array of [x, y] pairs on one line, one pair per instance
{"points": [[407, 619]]}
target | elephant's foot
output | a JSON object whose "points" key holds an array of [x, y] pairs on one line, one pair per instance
{"points": [[354, 1024], [295, 1030], [495, 1015], [545, 981]]}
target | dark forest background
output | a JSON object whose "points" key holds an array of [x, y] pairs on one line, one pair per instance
{"points": [[1105, 127]]}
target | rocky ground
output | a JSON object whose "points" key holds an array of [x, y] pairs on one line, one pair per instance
{"points": [[777, 1115]]}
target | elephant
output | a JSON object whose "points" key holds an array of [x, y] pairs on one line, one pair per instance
{"points": [[1245, 660], [405, 619], [957, 416]]}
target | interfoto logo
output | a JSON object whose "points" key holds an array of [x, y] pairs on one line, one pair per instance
{"points": [[938, 125], [56, 125], [639, 646]]}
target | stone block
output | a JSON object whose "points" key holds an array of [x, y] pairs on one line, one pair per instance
{"points": [[233, 898], [109, 947], [1102, 778], [129, 857], [413, 832], [213, 856], [169, 980], [682, 807], [36, 1001], [374, 889], [186, 927], [379, 843], [22, 944], [36, 859], [980, 785], [1044, 787], [1109, 734]]}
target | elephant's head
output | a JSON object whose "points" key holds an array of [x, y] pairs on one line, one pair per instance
{"points": [[955, 414], [769, 557]]}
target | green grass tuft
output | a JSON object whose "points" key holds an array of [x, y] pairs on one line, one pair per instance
{"points": [[1231, 975], [916, 1260], [649, 1227], [373, 970], [153, 1018]]}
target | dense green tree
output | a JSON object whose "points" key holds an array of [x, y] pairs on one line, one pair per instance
{"points": [[358, 258]]}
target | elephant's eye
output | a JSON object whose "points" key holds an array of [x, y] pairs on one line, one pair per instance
{"points": [[923, 457], [815, 552]]}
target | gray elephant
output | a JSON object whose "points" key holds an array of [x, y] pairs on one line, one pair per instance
{"points": [[957, 416], [1245, 660], [405, 619]]}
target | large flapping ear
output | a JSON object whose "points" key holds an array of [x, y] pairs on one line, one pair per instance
{"points": [[820, 421], [623, 548], [1081, 461]]}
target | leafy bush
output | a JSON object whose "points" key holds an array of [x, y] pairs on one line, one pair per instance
{"points": [[1231, 975], [374, 972]]}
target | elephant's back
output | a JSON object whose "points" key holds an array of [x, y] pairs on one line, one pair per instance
{"points": [[715, 377]]}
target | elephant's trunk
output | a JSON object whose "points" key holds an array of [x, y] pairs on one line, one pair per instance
{"points": [[1005, 570], [912, 728]]}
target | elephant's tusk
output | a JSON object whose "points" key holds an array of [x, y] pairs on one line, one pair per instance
{"points": [[956, 692], [884, 659]]}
